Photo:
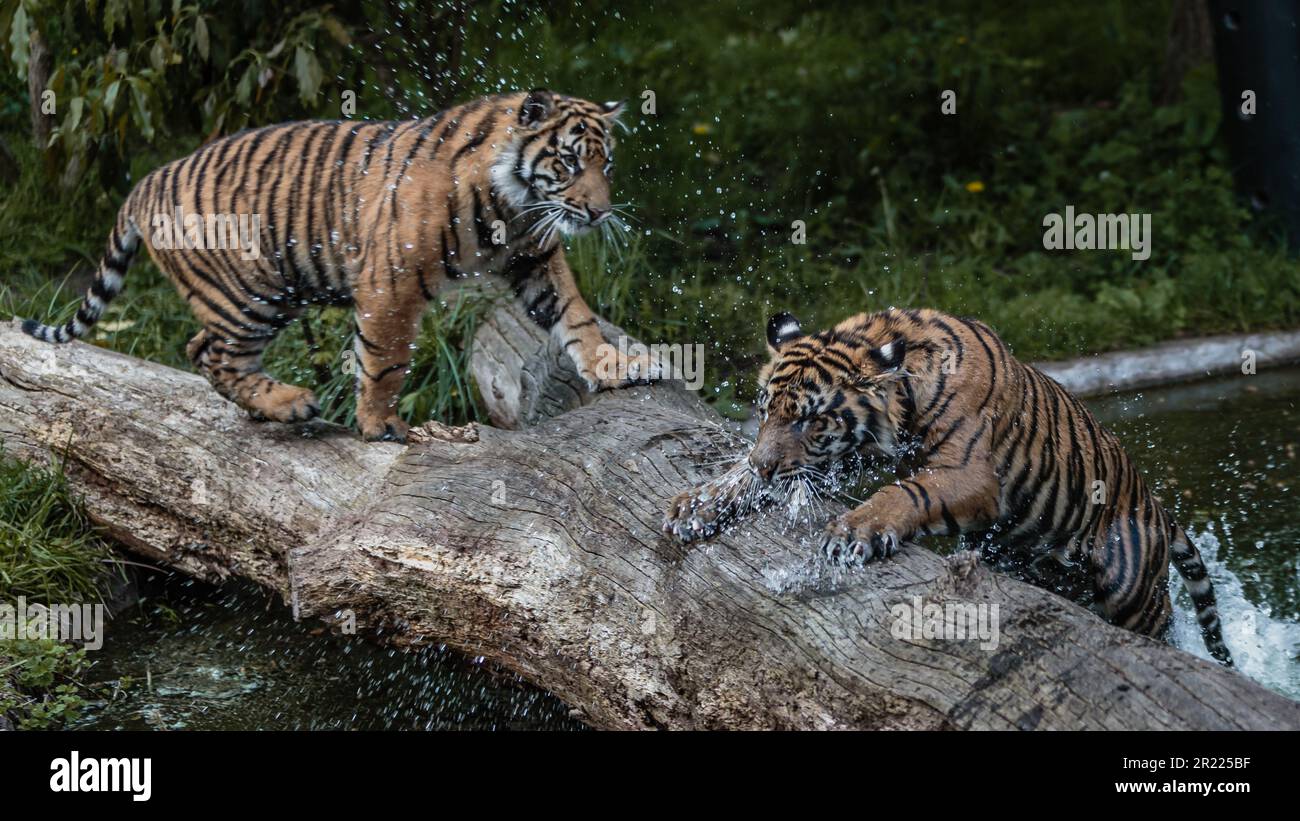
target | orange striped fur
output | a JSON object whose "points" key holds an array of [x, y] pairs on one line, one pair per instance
{"points": [[984, 447], [377, 215]]}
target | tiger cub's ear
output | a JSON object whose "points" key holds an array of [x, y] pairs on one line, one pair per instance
{"points": [[782, 328], [890, 355], [613, 109], [537, 106]]}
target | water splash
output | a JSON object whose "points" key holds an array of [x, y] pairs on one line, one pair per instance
{"points": [[1264, 647]]}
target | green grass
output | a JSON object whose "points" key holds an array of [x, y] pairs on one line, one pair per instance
{"points": [[438, 387], [48, 551], [49, 554]]}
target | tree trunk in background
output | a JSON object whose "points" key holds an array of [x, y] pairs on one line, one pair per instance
{"points": [[1191, 42], [38, 79], [540, 549]]}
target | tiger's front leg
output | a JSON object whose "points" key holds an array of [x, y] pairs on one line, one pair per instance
{"points": [[703, 511], [387, 323], [936, 501], [553, 300]]}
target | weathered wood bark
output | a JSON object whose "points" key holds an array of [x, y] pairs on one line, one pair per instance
{"points": [[540, 549]]}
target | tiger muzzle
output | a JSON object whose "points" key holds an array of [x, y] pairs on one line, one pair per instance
{"points": [[772, 451]]}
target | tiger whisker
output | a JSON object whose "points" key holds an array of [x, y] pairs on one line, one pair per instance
{"points": [[611, 238], [619, 212], [524, 209], [533, 212], [544, 219], [547, 225]]}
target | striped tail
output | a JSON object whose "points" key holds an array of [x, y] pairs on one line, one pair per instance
{"points": [[1187, 560], [109, 277]]}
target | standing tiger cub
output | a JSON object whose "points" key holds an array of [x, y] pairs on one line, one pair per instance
{"points": [[377, 215], [984, 446]]}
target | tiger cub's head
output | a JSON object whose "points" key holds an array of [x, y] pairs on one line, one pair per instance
{"points": [[559, 161], [825, 396]]}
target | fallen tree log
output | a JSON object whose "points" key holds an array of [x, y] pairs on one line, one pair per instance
{"points": [[540, 549]]}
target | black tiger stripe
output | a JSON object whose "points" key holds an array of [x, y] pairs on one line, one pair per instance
{"points": [[315, 242], [302, 216], [484, 128], [338, 161], [228, 269]]}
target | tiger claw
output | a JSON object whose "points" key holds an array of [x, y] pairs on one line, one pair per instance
{"points": [[690, 518], [856, 546], [643, 372], [387, 430], [627, 373]]}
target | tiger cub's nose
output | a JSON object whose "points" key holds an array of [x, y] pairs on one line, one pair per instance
{"points": [[764, 465]]}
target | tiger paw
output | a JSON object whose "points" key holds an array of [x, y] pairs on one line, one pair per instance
{"points": [[282, 403], [692, 516], [848, 544], [622, 371], [390, 429]]}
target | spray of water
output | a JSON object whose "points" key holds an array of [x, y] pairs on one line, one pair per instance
{"points": [[1264, 647]]}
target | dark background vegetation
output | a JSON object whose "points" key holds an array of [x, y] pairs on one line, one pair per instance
{"points": [[766, 113]]}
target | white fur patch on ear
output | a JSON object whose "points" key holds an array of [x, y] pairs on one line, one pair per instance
{"points": [[782, 328], [537, 107], [890, 355], [612, 111]]}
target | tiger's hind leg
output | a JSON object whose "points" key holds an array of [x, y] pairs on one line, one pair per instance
{"points": [[1130, 572], [234, 367]]}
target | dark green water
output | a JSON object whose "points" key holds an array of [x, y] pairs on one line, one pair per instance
{"points": [[232, 658], [1223, 454]]}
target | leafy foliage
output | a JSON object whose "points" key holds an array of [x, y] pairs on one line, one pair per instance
{"points": [[136, 72], [40, 683]]}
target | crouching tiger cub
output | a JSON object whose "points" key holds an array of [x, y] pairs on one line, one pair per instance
{"points": [[983, 446], [373, 214]]}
